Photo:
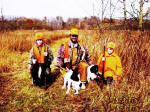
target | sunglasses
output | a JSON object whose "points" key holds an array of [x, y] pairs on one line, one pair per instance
{"points": [[74, 35], [39, 40], [111, 48]]}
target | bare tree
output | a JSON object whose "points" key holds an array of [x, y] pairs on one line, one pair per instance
{"points": [[113, 6], [141, 14], [110, 9], [102, 10], [2, 20], [125, 10], [135, 12]]}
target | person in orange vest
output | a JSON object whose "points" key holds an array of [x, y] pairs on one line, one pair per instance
{"points": [[112, 64], [40, 56], [74, 55]]}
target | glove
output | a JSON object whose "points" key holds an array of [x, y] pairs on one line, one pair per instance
{"points": [[29, 67], [34, 61], [103, 58], [63, 71], [45, 53], [116, 76]]}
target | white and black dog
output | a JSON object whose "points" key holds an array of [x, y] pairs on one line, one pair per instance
{"points": [[92, 72], [73, 78]]}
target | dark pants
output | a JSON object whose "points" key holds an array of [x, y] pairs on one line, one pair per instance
{"points": [[34, 72]]}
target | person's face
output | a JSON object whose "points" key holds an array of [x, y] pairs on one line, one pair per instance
{"points": [[39, 42], [110, 50], [74, 38]]}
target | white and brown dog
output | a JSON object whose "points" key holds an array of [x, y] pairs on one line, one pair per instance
{"points": [[72, 79]]}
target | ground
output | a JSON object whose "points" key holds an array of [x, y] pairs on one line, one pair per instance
{"points": [[18, 95]]}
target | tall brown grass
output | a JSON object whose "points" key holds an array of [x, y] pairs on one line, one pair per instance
{"points": [[13, 44], [130, 94], [134, 49]]}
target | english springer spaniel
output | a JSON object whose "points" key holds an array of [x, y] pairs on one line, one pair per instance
{"points": [[92, 72], [72, 78]]}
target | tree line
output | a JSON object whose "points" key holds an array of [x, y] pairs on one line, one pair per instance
{"points": [[134, 18], [93, 22]]}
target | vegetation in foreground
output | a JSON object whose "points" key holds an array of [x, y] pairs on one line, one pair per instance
{"points": [[131, 94]]}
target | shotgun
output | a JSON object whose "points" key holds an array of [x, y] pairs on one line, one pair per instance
{"points": [[102, 76], [103, 65]]}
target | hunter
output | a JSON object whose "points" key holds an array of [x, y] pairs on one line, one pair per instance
{"points": [[112, 64], [40, 55], [74, 55]]}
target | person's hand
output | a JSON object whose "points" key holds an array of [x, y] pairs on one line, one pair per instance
{"points": [[116, 76], [45, 53], [34, 61], [29, 67], [103, 58]]}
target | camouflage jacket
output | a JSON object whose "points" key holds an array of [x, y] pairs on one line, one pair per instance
{"points": [[83, 54]]}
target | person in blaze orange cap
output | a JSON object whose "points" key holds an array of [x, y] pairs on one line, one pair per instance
{"points": [[74, 55], [41, 58], [112, 64]]}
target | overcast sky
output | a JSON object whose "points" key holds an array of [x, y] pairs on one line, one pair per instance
{"points": [[53, 8]]}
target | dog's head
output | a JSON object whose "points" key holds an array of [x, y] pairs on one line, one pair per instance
{"points": [[94, 69], [93, 72]]}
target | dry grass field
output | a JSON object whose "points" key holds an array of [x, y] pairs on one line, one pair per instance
{"points": [[131, 94]]}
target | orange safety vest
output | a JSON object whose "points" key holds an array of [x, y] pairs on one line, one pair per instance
{"points": [[67, 53], [39, 54]]}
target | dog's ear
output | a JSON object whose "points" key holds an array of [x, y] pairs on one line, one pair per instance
{"points": [[96, 66], [80, 84], [94, 69]]}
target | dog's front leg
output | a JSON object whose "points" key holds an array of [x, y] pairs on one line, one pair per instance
{"points": [[65, 82], [77, 87], [69, 86]]}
